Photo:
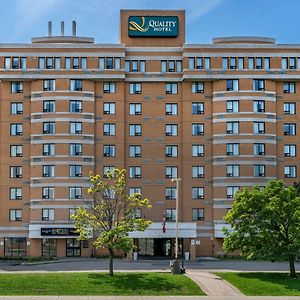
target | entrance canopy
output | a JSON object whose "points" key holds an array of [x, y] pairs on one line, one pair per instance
{"points": [[155, 230]]}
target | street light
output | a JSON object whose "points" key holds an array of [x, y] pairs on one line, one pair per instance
{"points": [[177, 180]]}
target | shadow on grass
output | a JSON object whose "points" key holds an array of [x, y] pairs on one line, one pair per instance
{"points": [[280, 279], [135, 282]]}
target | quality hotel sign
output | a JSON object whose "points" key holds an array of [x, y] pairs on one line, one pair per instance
{"points": [[158, 26]]}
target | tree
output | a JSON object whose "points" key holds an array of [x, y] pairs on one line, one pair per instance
{"points": [[266, 223], [111, 214]]}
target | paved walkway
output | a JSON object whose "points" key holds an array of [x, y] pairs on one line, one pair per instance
{"points": [[213, 285], [143, 298]]}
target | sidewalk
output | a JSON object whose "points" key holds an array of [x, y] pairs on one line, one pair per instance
{"points": [[144, 298], [213, 285]]}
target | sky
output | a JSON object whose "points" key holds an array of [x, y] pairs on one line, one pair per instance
{"points": [[205, 19]]}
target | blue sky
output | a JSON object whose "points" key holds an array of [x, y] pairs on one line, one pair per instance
{"points": [[22, 19]]}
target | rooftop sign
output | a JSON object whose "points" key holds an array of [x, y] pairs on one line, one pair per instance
{"points": [[157, 26]]}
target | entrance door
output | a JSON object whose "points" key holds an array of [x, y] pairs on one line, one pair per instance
{"points": [[73, 247]]}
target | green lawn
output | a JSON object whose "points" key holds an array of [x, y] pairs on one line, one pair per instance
{"points": [[97, 284], [263, 284]]}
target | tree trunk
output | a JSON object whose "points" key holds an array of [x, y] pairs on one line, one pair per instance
{"points": [[292, 266], [111, 262]]}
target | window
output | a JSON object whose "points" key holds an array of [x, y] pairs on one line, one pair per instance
{"points": [[259, 106], [48, 127], [16, 151], [198, 171], [171, 109], [49, 106], [289, 129], [15, 247], [48, 149], [15, 215], [109, 150], [135, 172], [259, 149], [232, 106], [135, 88], [198, 193], [197, 150], [41, 62], [75, 149], [15, 63], [197, 87], [170, 214], [171, 151], [232, 63], [17, 87], [48, 192], [75, 85], [49, 85], [231, 190], [16, 172], [135, 151], [171, 129], [75, 106], [135, 108], [232, 170], [258, 127], [258, 85], [289, 87], [197, 129], [109, 108], [7, 62], [288, 63], [290, 171], [206, 63], [259, 170], [258, 63], [290, 150], [232, 127], [109, 63], [16, 108], [232, 85], [233, 149], [15, 193], [267, 62], [135, 66], [49, 63], [107, 170], [289, 108], [109, 129], [240, 63], [195, 63], [83, 61], [75, 192], [171, 88], [198, 214], [135, 190], [16, 129], [48, 214], [197, 108], [68, 63], [75, 170], [109, 87], [75, 127], [251, 63], [135, 129], [171, 66], [171, 193], [171, 172], [48, 171], [76, 63]]}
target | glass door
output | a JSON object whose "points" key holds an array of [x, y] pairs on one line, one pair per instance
{"points": [[73, 247]]}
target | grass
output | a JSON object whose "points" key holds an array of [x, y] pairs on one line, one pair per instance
{"points": [[82, 283], [263, 284]]}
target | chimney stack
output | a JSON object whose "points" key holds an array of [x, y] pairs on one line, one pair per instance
{"points": [[49, 28], [62, 28], [74, 28]]}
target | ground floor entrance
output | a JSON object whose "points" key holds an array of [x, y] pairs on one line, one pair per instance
{"points": [[162, 247], [73, 247]]}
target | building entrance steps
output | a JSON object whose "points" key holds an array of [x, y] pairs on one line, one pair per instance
{"points": [[212, 285]]}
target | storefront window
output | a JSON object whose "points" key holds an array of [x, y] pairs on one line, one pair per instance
{"points": [[49, 247], [15, 247]]}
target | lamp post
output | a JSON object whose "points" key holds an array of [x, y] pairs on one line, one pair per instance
{"points": [[177, 180]]}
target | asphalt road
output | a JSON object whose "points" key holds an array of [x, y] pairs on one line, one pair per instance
{"points": [[88, 264]]}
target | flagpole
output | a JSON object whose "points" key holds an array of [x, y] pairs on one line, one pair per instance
{"points": [[177, 180]]}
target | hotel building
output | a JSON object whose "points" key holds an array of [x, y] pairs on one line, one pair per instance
{"points": [[220, 116]]}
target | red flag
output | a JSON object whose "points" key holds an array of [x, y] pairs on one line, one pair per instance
{"points": [[164, 229]]}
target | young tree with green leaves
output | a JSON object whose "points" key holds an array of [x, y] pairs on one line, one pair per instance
{"points": [[265, 222], [110, 215]]}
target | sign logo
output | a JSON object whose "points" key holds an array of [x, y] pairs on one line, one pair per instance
{"points": [[157, 26]]}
